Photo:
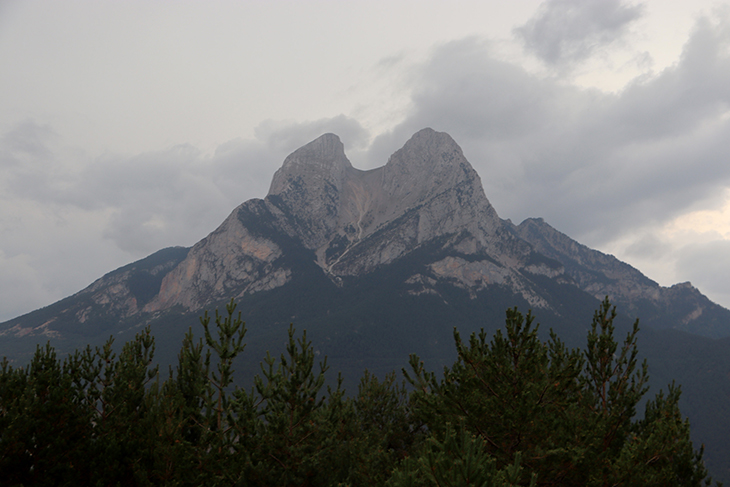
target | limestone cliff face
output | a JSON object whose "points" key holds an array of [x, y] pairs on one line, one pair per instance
{"points": [[597, 273], [426, 190], [116, 297], [351, 223], [230, 262], [310, 185]]}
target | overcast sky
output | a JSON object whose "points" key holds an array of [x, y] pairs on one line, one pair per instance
{"points": [[129, 126]]}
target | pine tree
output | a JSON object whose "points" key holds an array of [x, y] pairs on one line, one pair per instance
{"points": [[300, 434], [459, 459], [44, 427], [384, 431], [511, 410], [568, 414]]}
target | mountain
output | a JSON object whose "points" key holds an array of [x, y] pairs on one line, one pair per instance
{"points": [[679, 307], [351, 223], [354, 222], [379, 264]]}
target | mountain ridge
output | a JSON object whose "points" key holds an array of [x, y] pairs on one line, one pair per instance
{"points": [[355, 221], [678, 306]]}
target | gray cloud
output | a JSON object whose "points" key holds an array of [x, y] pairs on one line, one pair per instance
{"points": [[177, 196], [60, 207], [20, 286], [648, 246], [565, 31], [595, 165], [27, 141], [161, 198], [103, 212]]}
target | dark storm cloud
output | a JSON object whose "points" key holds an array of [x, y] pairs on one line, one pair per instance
{"points": [[595, 165], [565, 31]]}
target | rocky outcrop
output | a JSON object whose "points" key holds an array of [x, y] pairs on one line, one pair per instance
{"points": [[357, 220], [228, 263], [681, 306], [115, 297], [310, 185], [597, 273]]}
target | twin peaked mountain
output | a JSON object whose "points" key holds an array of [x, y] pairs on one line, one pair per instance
{"points": [[354, 222], [330, 239]]}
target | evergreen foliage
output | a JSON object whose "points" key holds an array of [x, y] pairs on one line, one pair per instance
{"points": [[512, 410]]}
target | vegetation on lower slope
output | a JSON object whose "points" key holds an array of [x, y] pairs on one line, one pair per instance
{"points": [[511, 410]]}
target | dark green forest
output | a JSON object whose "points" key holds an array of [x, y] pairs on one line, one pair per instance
{"points": [[511, 410]]}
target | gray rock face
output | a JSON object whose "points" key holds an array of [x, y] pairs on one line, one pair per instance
{"points": [[117, 296], [427, 187], [310, 185], [356, 221], [230, 262]]}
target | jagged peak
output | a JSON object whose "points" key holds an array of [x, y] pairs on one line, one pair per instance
{"points": [[326, 148], [537, 223], [429, 162], [323, 159], [428, 149], [319, 186]]}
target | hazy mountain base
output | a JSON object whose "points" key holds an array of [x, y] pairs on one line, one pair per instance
{"points": [[512, 410]]}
